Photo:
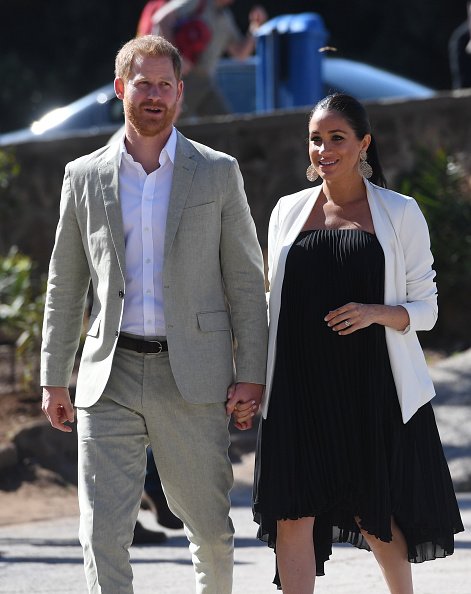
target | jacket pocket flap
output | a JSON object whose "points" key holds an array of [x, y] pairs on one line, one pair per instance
{"points": [[212, 321], [94, 326]]}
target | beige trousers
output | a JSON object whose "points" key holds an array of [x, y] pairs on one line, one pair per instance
{"points": [[140, 405]]}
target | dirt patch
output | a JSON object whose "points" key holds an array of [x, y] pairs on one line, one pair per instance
{"points": [[17, 410], [29, 492]]}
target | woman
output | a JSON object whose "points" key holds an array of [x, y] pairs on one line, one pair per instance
{"points": [[348, 449]]}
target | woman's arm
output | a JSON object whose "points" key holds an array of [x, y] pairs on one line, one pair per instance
{"points": [[420, 311], [353, 316], [421, 289]]}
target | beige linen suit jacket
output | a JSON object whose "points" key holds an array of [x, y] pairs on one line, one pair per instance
{"points": [[214, 299]]}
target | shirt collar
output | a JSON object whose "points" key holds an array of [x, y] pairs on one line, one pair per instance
{"points": [[168, 152]]}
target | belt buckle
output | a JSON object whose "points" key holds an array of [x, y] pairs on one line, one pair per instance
{"points": [[160, 345]]}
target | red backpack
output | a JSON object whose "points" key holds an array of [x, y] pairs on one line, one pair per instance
{"points": [[191, 34]]}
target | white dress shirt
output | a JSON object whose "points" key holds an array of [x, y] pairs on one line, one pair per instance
{"points": [[144, 204]]}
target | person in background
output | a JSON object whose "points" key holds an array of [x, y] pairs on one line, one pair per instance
{"points": [[154, 496], [161, 228], [154, 499], [348, 449], [203, 31], [459, 50]]}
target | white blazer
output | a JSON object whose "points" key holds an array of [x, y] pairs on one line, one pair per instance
{"points": [[402, 231]]}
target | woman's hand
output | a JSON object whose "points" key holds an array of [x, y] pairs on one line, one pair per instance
{"points": [[243, 401], [354, 316]]}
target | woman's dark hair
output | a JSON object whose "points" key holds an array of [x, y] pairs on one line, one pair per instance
{"points": [[355, 114]]}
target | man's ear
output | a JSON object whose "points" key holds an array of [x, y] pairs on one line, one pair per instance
{"points": [[119, 88], [180, 90]]}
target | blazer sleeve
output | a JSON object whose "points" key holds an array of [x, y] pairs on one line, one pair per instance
{"points": [[421, 289], [243, 276], [67, 288]]}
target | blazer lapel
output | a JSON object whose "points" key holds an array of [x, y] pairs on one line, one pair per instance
{"points": [[108, 172], [386, 235], [184, 169]]}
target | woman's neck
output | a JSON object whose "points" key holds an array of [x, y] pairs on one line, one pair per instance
{"points": [[344, 192]]}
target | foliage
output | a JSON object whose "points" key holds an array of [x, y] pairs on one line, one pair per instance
{"points": [[21, 311], [439, 185], [9, 168]]}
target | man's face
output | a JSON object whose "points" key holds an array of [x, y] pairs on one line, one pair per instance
{"points": [[150, 95]]}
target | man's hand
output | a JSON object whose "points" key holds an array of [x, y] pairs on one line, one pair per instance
{"points": [[57, 407], [243, 401], [257, 16]]}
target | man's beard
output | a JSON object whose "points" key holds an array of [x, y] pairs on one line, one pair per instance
{"points": [[144, 124]]}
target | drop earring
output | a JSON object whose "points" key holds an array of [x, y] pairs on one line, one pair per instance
{"points": [[311, 173], [364, 168]]}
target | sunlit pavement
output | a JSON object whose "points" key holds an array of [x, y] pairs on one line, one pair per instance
{"points": [[45, 557]]}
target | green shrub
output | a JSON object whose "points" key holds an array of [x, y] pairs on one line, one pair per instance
{"points": [[9, 168], [21, 312], [441, 187]]}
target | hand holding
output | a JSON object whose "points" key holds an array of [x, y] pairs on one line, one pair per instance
{"points": [[57, 407], [243, 401]]}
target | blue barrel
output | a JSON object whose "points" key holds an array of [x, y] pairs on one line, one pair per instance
{"points": [[289, 67]]}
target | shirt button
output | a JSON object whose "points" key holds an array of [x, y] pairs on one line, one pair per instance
{"points": [[147, 260], [146, 228], [148, 292]]}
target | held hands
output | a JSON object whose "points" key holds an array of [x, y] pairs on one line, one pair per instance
{"points": [[57, 407], [243, 401], [351, 317]]}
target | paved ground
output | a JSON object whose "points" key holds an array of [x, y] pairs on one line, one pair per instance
{"points": [[45, 557]]}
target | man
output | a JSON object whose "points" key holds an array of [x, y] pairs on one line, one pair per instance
{"points": [[459, 52], [202, 96], [161, 227]]}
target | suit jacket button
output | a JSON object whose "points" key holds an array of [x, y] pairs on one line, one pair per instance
{"points": [[121, 294]]}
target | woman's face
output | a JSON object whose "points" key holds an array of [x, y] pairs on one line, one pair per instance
{"points": [[334, 148]]}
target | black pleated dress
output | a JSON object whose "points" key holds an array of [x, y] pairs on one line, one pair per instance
{"points": [[334, 445]]}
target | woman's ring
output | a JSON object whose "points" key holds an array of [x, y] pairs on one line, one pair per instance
{"points": [[347, 323]]}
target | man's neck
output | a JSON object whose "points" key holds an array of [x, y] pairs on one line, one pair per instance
{"points": [[146, 149]]}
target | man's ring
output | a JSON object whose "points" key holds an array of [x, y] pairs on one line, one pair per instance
{"points": [[347, 323]]}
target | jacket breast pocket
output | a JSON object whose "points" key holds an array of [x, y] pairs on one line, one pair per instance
{"points": [[213, 321], [199, 215]]}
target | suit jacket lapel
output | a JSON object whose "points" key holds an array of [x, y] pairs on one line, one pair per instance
{"points": [[108, 172], [184, 169]]}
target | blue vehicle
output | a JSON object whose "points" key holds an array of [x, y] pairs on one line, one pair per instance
{"points": [[101, 111]]}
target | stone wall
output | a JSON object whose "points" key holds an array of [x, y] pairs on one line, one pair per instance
{"points": [[271, 150]]}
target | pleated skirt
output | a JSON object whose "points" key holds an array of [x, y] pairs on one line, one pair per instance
{"points": [[334, 446]]}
